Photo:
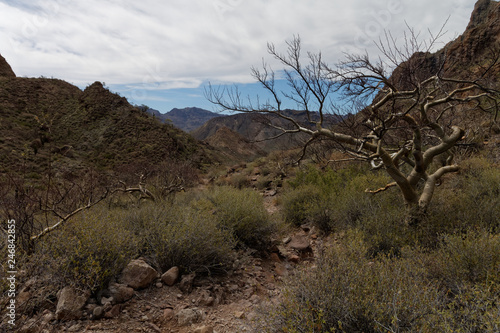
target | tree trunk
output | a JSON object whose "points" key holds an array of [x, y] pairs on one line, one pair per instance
{"points": [[415, 214]]}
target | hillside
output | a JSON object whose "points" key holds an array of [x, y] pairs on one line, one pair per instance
{"points": [[49, 123], [255, 128]]}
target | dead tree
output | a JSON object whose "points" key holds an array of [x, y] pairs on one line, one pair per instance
{"points": [[407, 116]]}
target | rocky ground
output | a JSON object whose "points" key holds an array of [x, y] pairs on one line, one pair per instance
{"points": [[143, 300]]}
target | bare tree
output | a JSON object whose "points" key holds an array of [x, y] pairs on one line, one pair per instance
{"points": [[403, 108]]}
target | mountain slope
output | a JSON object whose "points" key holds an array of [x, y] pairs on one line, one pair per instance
{"points": [[51, 124], [256, 128], [5, 69]]}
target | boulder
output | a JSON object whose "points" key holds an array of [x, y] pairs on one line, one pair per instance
{"points": [[70, 304], [170, 276], [138, 274]]}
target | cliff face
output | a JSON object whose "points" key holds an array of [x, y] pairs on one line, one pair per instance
{"points": [[481, 37], [5, 69], [465, 57]]}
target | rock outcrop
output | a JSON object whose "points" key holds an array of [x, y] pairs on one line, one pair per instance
{"points": [[5, 69]]}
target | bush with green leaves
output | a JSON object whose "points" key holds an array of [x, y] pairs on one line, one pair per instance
{"points": [[174, 235], [241, 212], [333, 199], [346, 292], [453, 289], [90, 249]]}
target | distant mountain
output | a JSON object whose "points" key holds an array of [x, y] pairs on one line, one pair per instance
{"points": [[256, 128], [186, 119]]}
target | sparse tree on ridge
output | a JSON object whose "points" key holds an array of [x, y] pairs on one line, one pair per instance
{"points": [[404, 120]]}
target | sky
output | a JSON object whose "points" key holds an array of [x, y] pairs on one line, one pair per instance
{"points": [[164, 53]]}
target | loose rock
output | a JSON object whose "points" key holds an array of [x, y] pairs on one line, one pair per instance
{"points": [[70, 304], [138, 274], [204, 329], [120, 292], [300, 243], [186, 284], [170, 276], [189, 316]]}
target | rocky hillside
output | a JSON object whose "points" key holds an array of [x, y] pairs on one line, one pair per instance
{"points": [[49, 123], [233, 146], [5, 69]]}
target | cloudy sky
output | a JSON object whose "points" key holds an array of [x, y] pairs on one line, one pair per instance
{"points": [[163, 53]]}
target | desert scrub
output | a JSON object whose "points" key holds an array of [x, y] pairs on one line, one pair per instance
{"points": [[334, 199], [241, 212], [346, 292], [90, 250], [468, 259], [191, 239], [467, 201]]}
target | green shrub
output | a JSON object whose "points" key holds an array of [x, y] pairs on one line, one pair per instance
{"points": [[90, 250], [469, 200], [240, 181], [302, 204], [181, 236], [242, 212], [473, 309], [334, 199], [469, 258], [348, 293]]}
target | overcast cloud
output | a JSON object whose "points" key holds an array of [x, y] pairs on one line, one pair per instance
{"points": [[153, 45]]}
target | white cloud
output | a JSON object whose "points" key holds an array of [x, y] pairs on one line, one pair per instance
{"points": [[156, 44]]}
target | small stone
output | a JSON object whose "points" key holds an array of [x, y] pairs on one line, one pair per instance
{"points": [[114, 312], [159, 285], [75, 328], [170, 276], [300, 243], [239, 314], [48, 316], [105, 300], [98, 313], [293, 258], [120, 293], [70, 304], [154, 327], [168, 314], [305, 227], [286, 240], [186, 284], [280, 269], [275, 257], [189, 316], [204, 329]]}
